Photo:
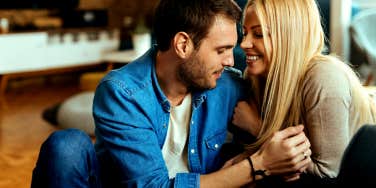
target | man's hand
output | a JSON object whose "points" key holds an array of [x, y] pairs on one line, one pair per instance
{"points": [[286, 153]]}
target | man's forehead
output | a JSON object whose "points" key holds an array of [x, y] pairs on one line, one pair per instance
{"points": [[222, 32], [221, 21]]}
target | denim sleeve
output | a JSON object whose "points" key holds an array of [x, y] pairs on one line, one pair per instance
{"points": [[125, 132]]}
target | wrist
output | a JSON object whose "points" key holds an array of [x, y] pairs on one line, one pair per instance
{"points": [[258, 171], [257, 160]]}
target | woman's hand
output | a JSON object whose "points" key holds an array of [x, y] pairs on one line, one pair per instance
{"points": [[246, 117]]}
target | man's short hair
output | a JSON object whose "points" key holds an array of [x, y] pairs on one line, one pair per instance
{"points": [[194, 17]]}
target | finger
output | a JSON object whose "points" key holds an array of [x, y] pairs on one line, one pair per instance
{"points": [[296, 139], [301, 149], [306, 160], [304, 164], [303, 169], [290, 131], [289, 167], [237, 110], [227, 164], [230, 162], [235, 117], [305, 154], [301, 156], [292, 177], [240, 106], [296, 145]]}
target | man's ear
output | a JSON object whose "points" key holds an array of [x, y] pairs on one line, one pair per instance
{"points": [[183, 45]]}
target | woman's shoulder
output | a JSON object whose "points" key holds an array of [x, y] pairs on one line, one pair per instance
{"points": [[326, 77], [323, 70], [326, 72]]}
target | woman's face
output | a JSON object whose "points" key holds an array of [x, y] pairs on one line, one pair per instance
{"points": [[253, 45]]}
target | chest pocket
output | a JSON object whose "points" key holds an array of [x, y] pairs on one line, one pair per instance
{"points": [[215, 142]]}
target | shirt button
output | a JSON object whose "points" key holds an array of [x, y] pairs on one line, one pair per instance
{"points": [[192, 151], [216, 146], [192, 122]]}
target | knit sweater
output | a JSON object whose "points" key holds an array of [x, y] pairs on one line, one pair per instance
{"points": [[327, 115]]}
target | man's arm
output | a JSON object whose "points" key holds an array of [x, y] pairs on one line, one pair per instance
{"points": [[281, 154], [127, 139]]}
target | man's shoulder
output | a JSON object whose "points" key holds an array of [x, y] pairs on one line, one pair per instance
{"points": [[130, 78], [231, 76], [233, 72], [135, 70], [230, 84]]}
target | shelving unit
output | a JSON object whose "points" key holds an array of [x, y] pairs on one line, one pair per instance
{"points": [[48, 52]]}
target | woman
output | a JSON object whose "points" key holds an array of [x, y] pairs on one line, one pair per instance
{"points": [[294, 83]]}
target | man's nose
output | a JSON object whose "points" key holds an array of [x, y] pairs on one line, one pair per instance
{"points": [[229, 61]]}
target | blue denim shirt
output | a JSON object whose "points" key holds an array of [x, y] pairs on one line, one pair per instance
{"points": [[132, 115]]}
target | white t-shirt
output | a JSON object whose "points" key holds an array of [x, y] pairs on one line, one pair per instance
{"points": [[174, 150]]}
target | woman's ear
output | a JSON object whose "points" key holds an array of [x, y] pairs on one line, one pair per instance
{"points": [[183, 45]]}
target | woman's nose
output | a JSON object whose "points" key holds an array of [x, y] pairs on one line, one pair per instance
{"points": [[247, 42]]}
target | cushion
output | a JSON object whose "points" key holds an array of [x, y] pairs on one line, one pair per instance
{"points": [[76, 112]]}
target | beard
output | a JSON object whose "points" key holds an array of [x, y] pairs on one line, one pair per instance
{"points": [[195, 74]]}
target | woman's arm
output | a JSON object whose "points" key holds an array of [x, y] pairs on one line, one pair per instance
{"points": [[326, 112]]}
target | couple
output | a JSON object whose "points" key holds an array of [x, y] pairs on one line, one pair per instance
{"points": [[161, 120]]}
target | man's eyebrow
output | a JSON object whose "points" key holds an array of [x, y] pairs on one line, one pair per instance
{"points": [[225, 46]]}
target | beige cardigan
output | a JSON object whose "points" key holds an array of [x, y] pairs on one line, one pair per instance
{"points": [[327, 118]]}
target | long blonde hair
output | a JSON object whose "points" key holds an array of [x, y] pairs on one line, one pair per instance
{"points": [[297, 41]]}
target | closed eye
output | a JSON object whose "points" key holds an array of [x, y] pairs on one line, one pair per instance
{"points": [[258, 35], [224, 49]]}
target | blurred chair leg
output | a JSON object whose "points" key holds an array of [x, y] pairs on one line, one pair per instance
{"points": [[3, 88], [3, 85]]}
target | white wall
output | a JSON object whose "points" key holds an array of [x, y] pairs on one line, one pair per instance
{"points": [[35, 51], [365, 3], [340, 17]]}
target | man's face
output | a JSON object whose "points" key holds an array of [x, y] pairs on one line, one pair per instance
{"points": [[206, 63]]}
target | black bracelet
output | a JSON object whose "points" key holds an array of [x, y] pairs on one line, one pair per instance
{"points": [[254, 172]]}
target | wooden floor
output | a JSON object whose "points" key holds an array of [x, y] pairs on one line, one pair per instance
{"points": [[22, 129]]}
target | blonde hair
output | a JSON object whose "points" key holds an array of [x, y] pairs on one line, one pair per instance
{"points": [[297, 41]]}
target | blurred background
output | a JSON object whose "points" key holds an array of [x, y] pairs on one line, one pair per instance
{"points": [[54, 52]]}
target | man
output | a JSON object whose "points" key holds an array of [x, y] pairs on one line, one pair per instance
{"points": [[162, 119]]}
